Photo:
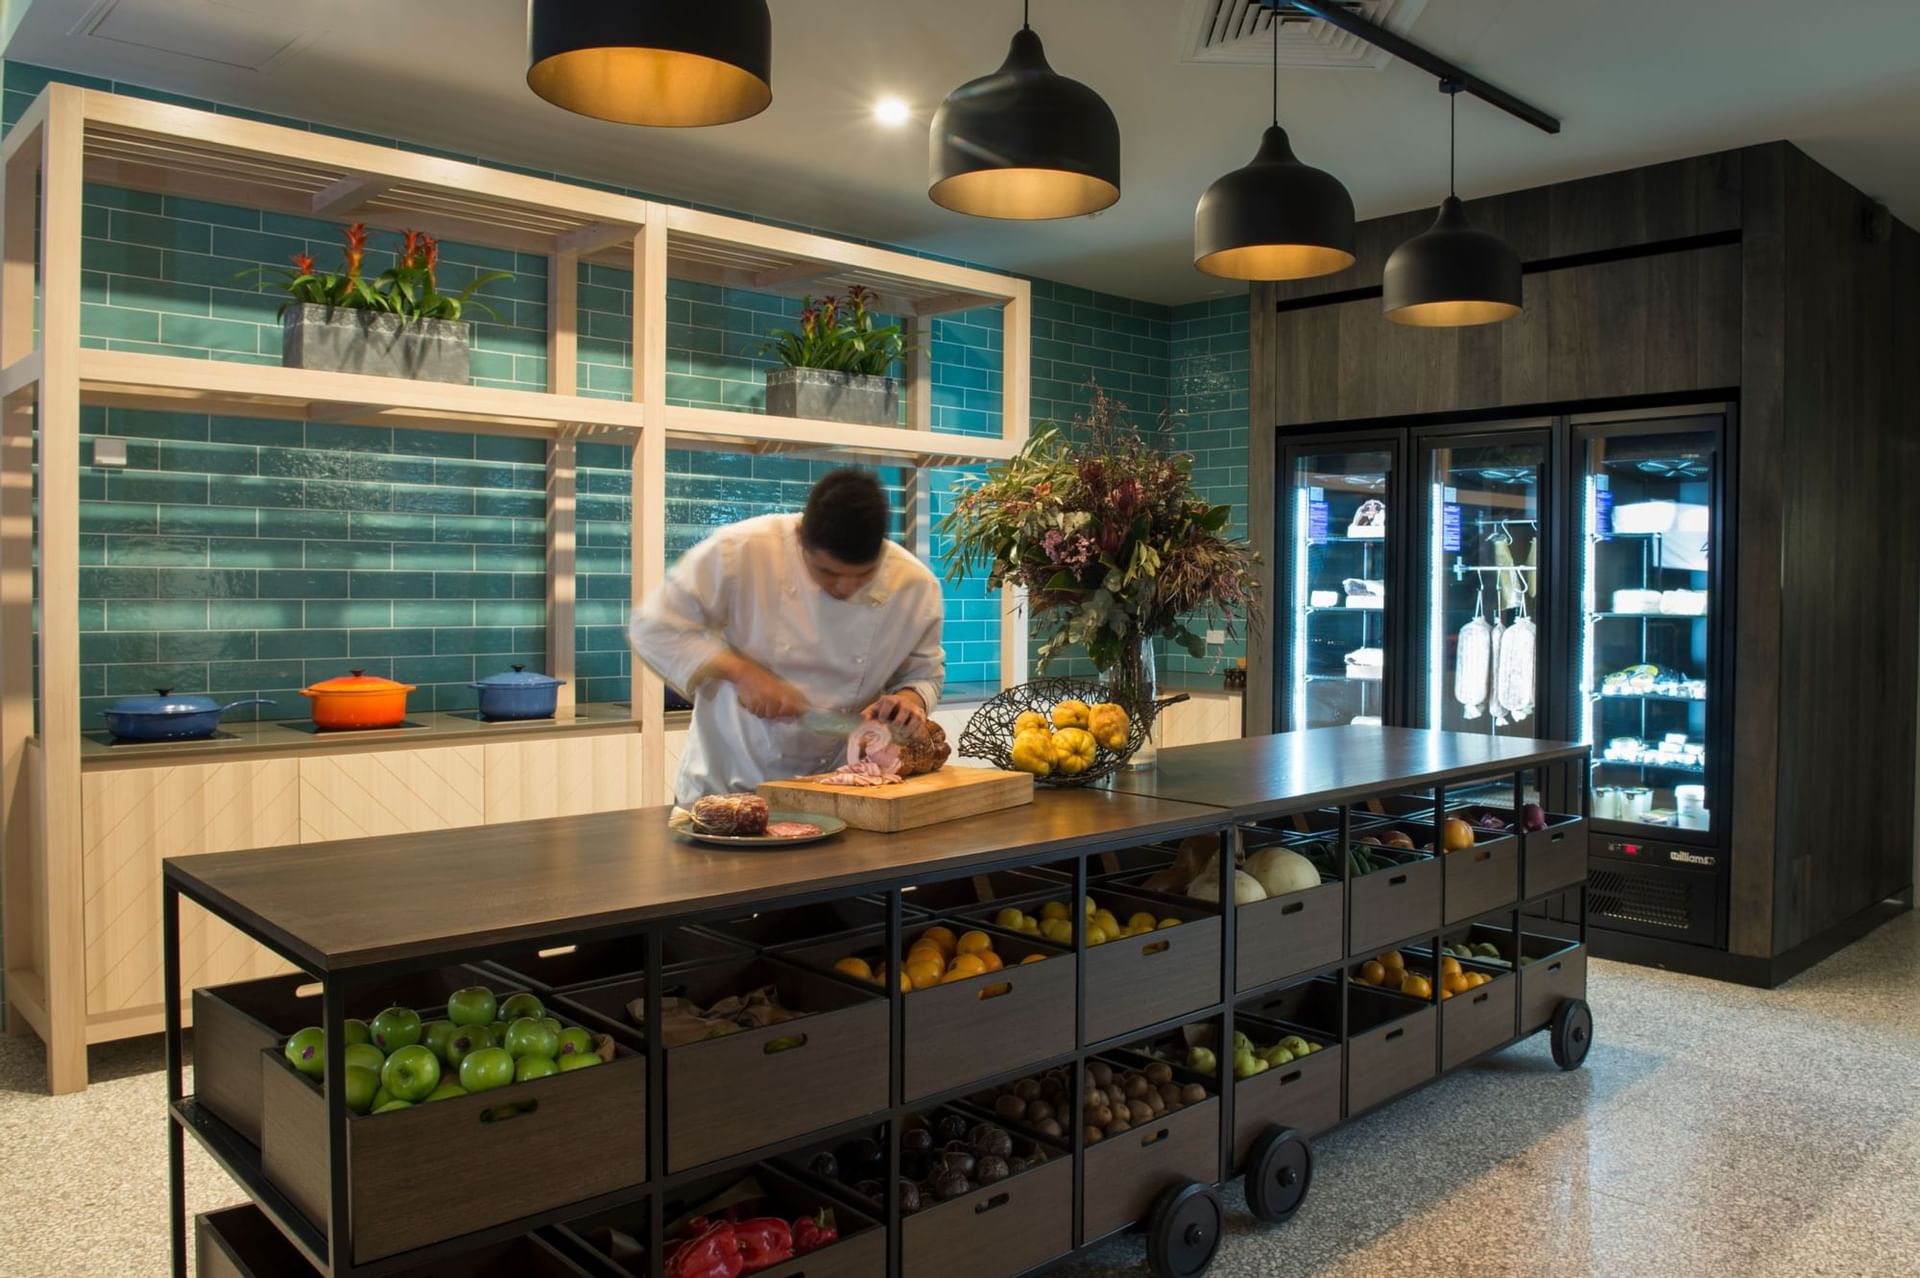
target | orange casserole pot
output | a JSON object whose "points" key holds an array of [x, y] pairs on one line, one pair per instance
{"points": [[358, 700]]}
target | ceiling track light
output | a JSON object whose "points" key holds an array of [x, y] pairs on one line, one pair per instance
{"points": [[1277, 218], [1024, 143], [1453, 274], [666, 63]]}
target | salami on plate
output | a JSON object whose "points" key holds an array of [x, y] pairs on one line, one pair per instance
{"points": [[793, 830]]}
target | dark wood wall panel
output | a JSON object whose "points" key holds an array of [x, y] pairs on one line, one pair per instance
{"points": [[1845, 801]]}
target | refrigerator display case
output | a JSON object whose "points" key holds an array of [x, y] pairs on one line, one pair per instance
{"points": [[1341, 556]]}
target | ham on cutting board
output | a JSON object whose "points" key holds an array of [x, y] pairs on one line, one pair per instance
{"points": [[946, 795]]}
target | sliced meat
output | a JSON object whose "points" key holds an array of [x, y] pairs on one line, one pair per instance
{"points": [[792, 830], [873, 743], [866, 772], [925, 751], [731, 814]]}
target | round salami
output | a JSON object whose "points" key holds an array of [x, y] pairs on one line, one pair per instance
{"points": [[792, 830]]}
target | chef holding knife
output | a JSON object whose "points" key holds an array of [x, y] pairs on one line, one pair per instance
{"points": [[773, 618]]}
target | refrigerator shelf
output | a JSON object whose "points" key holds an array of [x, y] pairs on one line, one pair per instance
{"points": [[1646, 696], [1649, 616], [1692, 769]]}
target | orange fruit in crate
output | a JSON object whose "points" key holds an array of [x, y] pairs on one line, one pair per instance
{"points": [[857, 968], [1417, 986], [1449, 965], [1033, 958], [942, 937], [973, 942], [991, 959], [926, 950], [1391, 959], [1391, 978], [968, 965], [1445, 994], [957, 975], [1455, 983], [1373, 972], [924, 973]]}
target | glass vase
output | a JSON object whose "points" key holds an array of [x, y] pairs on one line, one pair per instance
{"points": [[1135, 686]]}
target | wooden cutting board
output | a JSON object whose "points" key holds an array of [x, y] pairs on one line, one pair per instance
{"points": [[946, 795]]}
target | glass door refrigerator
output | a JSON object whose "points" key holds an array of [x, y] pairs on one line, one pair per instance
{"points": [[1484, 583], [1341, 549], [1651, 693]]}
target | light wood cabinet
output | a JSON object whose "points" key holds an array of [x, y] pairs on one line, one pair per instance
{"points": [[1204, 717], [351, 796], [562, 776]]}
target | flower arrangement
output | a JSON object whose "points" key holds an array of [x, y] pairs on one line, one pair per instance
{"points": [[409, 288], [839, 335], [1104, 531]]}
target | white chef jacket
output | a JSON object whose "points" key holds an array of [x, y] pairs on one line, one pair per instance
{"points": [[746, 588]]}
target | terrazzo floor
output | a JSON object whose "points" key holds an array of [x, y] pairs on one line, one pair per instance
{"points": [[1715, 1131]]}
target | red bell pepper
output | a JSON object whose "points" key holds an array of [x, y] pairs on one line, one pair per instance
{"points": [[714, 1252], [764, 1240], [811, 1233]]}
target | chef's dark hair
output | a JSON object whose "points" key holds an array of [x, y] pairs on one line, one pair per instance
{"points": [[846, 516]]}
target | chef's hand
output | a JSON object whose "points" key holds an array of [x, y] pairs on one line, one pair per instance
{"points": [[762, 692], [904, 711]]}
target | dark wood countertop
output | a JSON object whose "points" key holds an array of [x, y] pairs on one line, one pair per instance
{"points": [[363, 901], [1275, 775]]}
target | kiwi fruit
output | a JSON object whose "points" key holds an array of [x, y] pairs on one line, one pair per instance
{"points": [[1159, 1073], [1117, 1095], [1039, 1111], [1193, 1093], [1118, 1125], [1170, 1093], [1050, 1128], [1012, 1108], [1095, 1135], [1139, 1112], [1134, 1087], [1100, 1115], [1155, 1103], [1102, 1073], [1027, 1089]]}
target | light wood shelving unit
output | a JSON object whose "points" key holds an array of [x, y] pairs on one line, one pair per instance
{"points": [[70, 136]]}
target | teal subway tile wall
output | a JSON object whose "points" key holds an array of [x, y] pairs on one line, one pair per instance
{"points": [[249, 557]]}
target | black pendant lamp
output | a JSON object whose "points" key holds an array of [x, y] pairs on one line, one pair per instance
{"points": [[661, 62], [1024, 143], [1452, 275], [1275, 219]]}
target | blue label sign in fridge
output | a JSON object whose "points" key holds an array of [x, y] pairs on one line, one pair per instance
{"points": [[1450, 528], [1316, 522], [1603, 513]]}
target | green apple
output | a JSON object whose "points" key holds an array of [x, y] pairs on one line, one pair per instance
{"points": [[362, 1086], [486, 1069], [528, 1037], [519, 1005], [307, 1050], [466, 1040], [357, 1031], [411, 1073], [579, 1060], [390, 1106], [473, 1005], [395, 1028], [366, 1056], [499, 1031], [447, 1091], [434, 1036], [381, 1099], [552, 1023], [528, 1068], [574, 1040]]}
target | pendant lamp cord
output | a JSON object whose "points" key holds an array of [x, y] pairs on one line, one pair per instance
{"points": [[1453, 119], [1276, 66], [1026, 15]]}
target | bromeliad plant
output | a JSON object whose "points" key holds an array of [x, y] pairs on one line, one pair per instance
{"points": [[840, 335], [1103, 529], [409, 288]]}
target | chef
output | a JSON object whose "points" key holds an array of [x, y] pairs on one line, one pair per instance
{"points": [[771, 617]]}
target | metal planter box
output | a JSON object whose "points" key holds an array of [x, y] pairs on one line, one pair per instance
{"points": [[833, 397], [339, 340]]}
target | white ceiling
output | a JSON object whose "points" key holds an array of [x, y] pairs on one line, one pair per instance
{"points": [[1636, 81]]}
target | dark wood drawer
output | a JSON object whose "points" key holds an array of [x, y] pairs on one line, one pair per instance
{"points": [[1483, 877], [772, 929], [1283, 935], [860, 1253], [394, 1207], [1304, 1095], [547, 969], [1390, 1047], [1477, 1020], [826, 1067], [1555, 975], [233, 1024], [1393, 904], [240, 1242], [1143, 980], [1125, 1173], [995, 1231], [1555, 857]]}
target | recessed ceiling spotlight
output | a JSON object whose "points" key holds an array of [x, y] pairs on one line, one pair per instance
{"points": [[892, 112]]}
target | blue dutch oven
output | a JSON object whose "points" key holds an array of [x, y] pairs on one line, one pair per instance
{"points": [[165, 717], [519, 694]]}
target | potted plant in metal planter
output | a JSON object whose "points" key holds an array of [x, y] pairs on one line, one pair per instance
{"points": [[396, 324], [836, 362]]}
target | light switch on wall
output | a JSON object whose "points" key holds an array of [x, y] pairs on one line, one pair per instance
{"points": [[109, 452], [1216, 636]]}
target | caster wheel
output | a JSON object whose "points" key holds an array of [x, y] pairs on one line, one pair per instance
{"points": [[1183, 1233], [1572, 1033], [1279, 1173]]}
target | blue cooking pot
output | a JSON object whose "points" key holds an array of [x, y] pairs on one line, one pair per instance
{"points": [[165, 717], [518, 694]]}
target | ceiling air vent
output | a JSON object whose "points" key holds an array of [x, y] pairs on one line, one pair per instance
{"points": [[1241, 31], [253, 36]]}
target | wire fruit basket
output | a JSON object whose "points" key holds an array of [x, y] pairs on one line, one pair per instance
{"points": [[989, 733]]}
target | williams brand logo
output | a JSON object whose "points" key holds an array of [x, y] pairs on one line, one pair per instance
{"points": [[1691, 858]]}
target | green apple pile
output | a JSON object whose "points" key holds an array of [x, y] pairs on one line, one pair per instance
{"points": [[397, 1060], [1249, 1057]]}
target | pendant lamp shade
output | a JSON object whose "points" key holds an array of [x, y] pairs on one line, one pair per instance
{"points": [[1275, 219], [1024, 143], [1452, 275], [660, 62]]}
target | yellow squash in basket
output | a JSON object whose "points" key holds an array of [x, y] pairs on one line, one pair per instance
{"points": [[1108, 723], [1033, 751], [1073, 750]]}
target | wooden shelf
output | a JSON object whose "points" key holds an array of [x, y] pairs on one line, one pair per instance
{"points": [[718, 428]]}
